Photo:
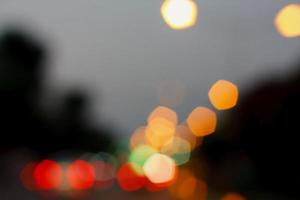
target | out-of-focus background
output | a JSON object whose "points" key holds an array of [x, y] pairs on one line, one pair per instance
{"points": [[82, 76]]}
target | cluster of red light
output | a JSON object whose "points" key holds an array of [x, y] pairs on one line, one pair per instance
{"points": [[77, 175]]}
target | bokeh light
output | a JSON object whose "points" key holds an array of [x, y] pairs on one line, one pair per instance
{"points": [[185, 133], [137, 138], [179, 149], [104, 174], [223, 95], [159, 132], [233, 196], [163, 112], [156, 187], [188, 186], [48, 175], [27, 176], [287, 21], [160, 168], [81, 175], [178, 189], [140, 154], [179, 14], [128, 178], [202, 121]]}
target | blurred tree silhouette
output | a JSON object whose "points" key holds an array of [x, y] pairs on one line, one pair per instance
{"points": [[23, 123]]}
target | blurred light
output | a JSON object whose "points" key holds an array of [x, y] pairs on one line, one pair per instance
{"points": [[48, 175], [202, 121], [80, 175], [184, 132], [128, 179], [201, 191], [233, 196], [159, 132], [105, 157], [140, 154], [104, 174], [179, 149], [179, 14], [64, 186], [160, 168], [27, 176], [287, 21], [176, 190], [188, 186], [137, 138], [155, 187], [171, 93], [165, 113], [223, 95]]}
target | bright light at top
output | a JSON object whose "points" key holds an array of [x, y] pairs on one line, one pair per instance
{"points": [[287, 21], [179, 14]]}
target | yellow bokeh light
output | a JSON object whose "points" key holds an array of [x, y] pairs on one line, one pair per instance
{"points": [[160, 168], [179, 14], [223, 95], [202, 121], [287, 21], [159, 132]]}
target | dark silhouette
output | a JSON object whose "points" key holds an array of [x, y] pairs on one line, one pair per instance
{"points": [[255, 149], [24, 124]]}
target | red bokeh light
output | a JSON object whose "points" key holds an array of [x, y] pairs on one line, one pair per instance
{"points": [[153, 187], [48, 175], [80, 175], [26, 176], [128, 179]]}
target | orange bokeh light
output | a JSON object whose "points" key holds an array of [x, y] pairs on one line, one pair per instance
{"points": [[159, 132], [287, 21], [137, 138], [233, 196], [188, 186], [80, 175], [48, 175], [202, 121], [223, 95], [128, 179], [165, 113]]}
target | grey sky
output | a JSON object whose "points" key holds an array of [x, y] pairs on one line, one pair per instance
{"points": [[123, 50]]}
